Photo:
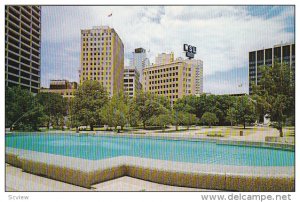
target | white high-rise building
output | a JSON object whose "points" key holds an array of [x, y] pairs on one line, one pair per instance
{"points": [[139, 59]]}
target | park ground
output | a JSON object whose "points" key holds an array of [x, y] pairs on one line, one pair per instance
{"points": [[250, 133]]}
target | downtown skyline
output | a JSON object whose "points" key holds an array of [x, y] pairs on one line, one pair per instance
{"points": [[223, 36]]}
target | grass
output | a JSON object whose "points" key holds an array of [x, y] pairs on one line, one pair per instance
{"points": [[218, 131]]}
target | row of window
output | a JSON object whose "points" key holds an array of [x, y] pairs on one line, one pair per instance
{"points": [[164, 75], [162, 70], [96, 39], [164, 81], [128, 85], [96, 73], [98, 59], [86, 53], [166, 92], [104, 33], [163, 86], [97, 64], [95, 44], [95, 50], [25, 81], [86, 69]]}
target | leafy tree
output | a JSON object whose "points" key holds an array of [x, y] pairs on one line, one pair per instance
{"points": [[276, 93], [22, 111], [116, 112], [231, 115], [209, 118], [178, 118], [107, 115], [89, 99], [133, 117], [54, 108], [187, 104], [245, 110], [189, 119], [217, 104], [149, 105], [162, 120], [73, 120], [221, 104]]}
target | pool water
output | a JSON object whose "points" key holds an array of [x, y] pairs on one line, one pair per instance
{"points": [[101, 147]]}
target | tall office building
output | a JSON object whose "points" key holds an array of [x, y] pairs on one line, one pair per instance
{"points": [[139, 59], [284, 53], [174, 79], [132, 83], [22, 47], [102, 58]]}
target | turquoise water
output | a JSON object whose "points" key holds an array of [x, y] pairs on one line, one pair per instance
{"points": [[101, 147]]}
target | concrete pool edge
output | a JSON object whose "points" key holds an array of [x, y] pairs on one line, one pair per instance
{"points": [[85, 173]]}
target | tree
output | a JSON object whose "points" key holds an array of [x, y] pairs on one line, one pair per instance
{"points": [[73, 120], [106, 115], [178, 118], [22, 111], [217, 104], [133, 117], [231, 115], [89, 99], [245, 110], [162, 120], [189, 119], [149, 105], [276, 92], [116, 111], [209, 118], [54, 108], [187, 104]]}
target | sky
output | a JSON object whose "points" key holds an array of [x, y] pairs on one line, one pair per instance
{"points": [[223, 35]]}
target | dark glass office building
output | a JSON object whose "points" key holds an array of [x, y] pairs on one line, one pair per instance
{"points": [[22, 47], [284, 53]]}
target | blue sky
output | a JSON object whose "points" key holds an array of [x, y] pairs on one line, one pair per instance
{"points": [[223, 36]]}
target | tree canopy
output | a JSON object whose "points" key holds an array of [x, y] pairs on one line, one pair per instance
{"points": [[54, 108], [275, 92], [22, 111], [245, 110], [88, 102], [209, 118]]}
